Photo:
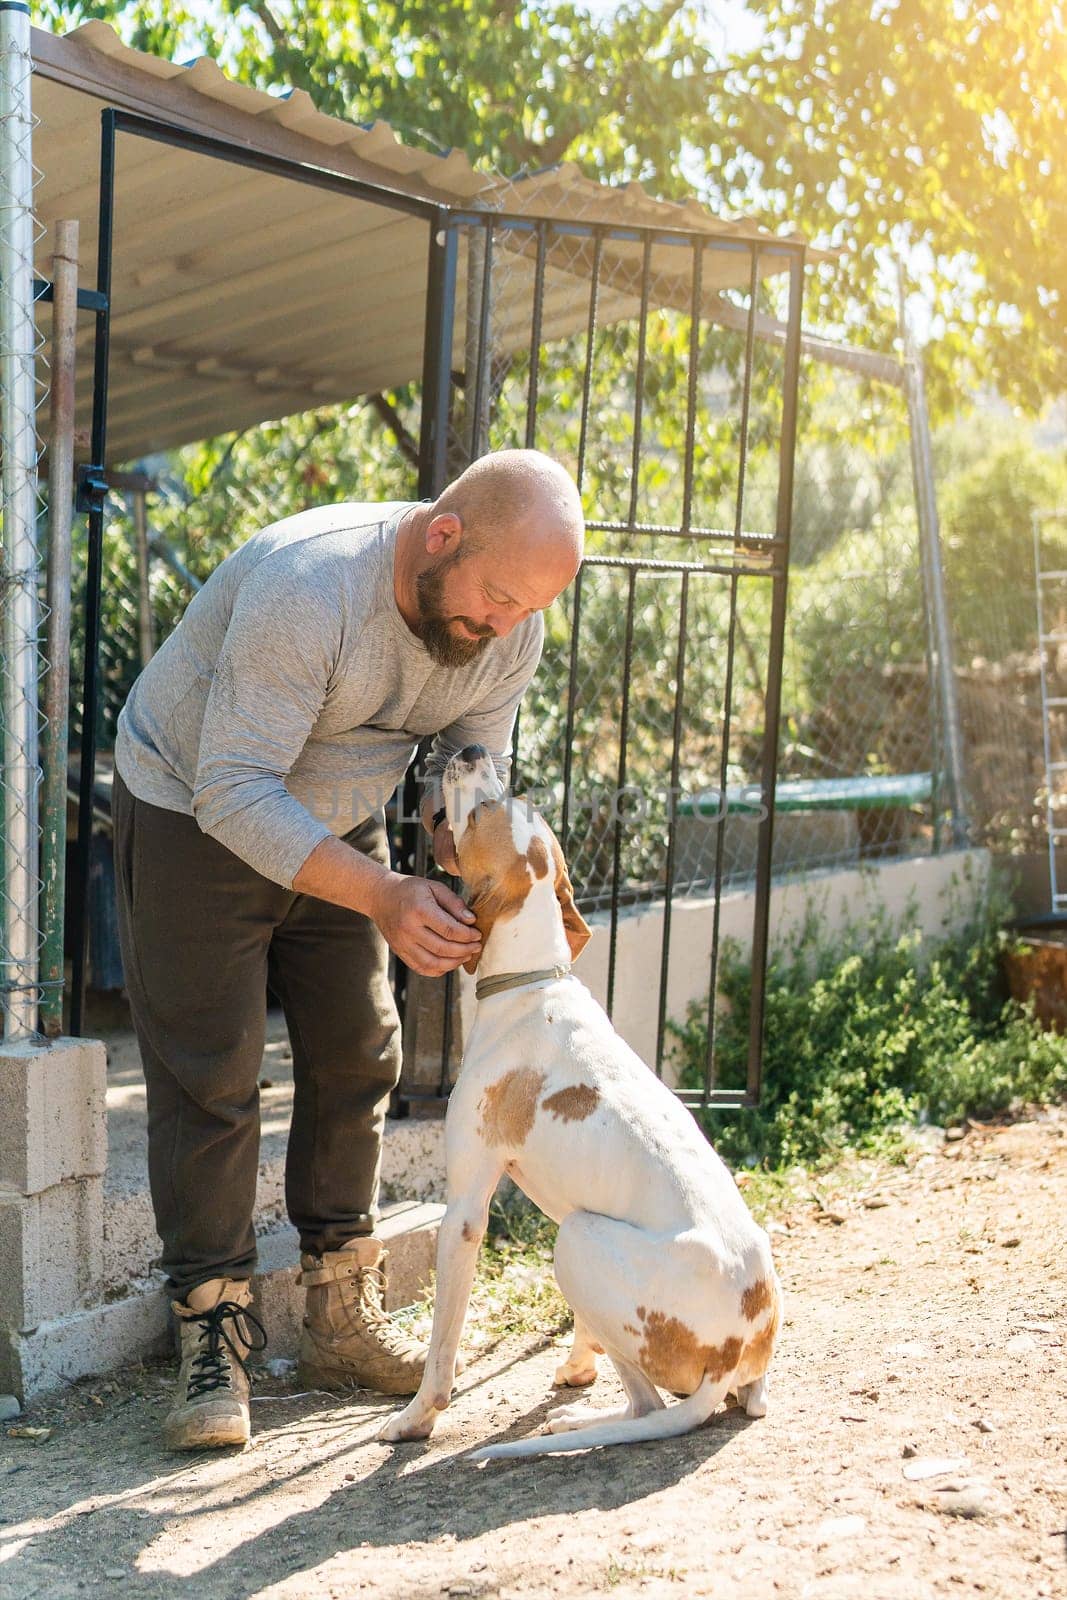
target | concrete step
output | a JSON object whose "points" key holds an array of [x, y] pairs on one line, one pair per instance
{"points": [[136, 1325]]}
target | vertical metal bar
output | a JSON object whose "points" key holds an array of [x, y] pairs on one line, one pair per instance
{"points": [[720, 837], [93, 577], [478, 413], [590, 340], [514, 775], [773, 700], [624, 734], [639, 378], [922, 461], [20, 608], [746, 394], [568, 734], [437, 356], [57, 681], [668, 888], [724, 762], [145, 631], [448, 991], [695, 307], [535, 336]]}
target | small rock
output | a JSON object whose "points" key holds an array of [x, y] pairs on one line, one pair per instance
{"points": [[965, 1500], [954, 1134], [9, 1407], [280, 1366], [115, 1573], [875, 1202], [933, 1466], [1021, 1344], [832, 1530], [1010, 1244], [908, 1452], [983, 1425]]}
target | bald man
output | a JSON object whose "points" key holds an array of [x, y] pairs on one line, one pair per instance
{"points": [[253, 759]]}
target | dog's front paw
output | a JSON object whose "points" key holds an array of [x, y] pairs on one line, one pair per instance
{"points": [[414, 1422]]}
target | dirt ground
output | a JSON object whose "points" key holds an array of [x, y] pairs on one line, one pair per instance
{"points": [[925, 1328]]}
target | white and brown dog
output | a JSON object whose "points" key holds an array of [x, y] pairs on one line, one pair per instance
{"points": [[657, 1254]]}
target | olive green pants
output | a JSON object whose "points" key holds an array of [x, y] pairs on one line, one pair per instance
{"points": [[201, 934]]}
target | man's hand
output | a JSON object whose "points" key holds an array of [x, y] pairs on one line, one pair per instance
{"points": [[444, 848], [427, 925]]}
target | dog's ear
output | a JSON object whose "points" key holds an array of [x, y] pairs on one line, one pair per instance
{"points": [[574, 924]]}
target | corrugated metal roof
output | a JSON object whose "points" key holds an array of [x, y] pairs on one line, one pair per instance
{"points": [[240, 296]]}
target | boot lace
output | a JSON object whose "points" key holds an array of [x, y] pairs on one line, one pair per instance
{"points": [[371, 1292], [210, 1368]]}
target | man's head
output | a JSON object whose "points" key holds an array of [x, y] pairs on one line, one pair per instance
{"points": [[500, 543]]}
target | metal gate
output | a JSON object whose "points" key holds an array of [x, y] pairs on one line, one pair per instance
{"points": [[638, 686], [632, 352]]}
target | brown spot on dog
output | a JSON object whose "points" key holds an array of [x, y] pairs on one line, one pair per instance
{"points": [[673, 1358], [574, 1103], [509, 1107], [468, 1233], [756, 1298], [537, 856], [760, 1348]]}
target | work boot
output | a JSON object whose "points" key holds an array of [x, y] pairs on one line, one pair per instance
{"points": [[210, 1407], [348, 1341]]}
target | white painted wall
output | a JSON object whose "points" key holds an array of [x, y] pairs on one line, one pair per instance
{"points": [[938, 890]]}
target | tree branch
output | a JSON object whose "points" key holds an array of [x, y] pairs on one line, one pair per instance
{"points": [[395, 423]]}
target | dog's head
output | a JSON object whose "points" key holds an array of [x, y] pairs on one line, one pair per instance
{"points": [[504, 847]]}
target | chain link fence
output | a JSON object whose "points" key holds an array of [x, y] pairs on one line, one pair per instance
{"points": [[21, 389]]}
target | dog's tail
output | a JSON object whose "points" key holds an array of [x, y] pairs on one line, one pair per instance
{"points": [[667, 1423]]}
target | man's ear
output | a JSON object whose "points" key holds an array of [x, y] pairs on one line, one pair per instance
{"points": [[574, 924]]}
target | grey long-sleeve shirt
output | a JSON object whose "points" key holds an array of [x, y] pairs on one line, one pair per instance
{"points": [[289, 701]]}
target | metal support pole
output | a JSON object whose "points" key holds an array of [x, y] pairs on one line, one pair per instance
{"points": [[57, 681], [477, 344], [437, 357], [939, 646], [17, 379]]}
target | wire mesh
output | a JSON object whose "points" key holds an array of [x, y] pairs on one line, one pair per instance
{"points": [[20, 392]]}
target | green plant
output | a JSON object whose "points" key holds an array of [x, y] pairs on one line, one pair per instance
{"points": [[868, 1030]]}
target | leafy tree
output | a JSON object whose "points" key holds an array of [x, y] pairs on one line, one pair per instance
{"points": [[926, 126]]}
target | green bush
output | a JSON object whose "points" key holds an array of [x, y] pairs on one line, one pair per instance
{"points": [[866, 1031]]}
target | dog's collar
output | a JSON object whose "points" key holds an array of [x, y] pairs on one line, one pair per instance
{"points": [[516, 980]]}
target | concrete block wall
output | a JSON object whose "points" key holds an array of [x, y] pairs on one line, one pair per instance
{"points": [[54, 1114], [53, 1153]]}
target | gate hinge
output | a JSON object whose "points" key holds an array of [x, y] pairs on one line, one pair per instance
{"points": [[92, 488]]}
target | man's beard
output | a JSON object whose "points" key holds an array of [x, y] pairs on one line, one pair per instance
{"points": [[444, 647]]}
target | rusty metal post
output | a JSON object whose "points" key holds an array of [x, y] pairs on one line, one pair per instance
{"points": [[57, 679]]}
